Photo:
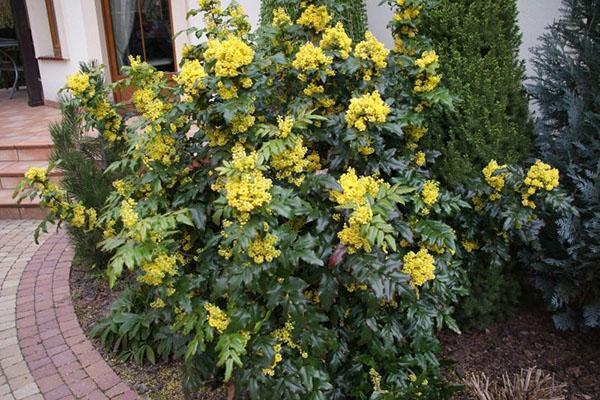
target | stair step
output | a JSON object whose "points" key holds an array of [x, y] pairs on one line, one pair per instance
{"points": [[12, 172], [28, 209], [30, 151]]}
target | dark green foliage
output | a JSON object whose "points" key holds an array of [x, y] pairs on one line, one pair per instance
{"points": [[478, 44], [81, 160], [353, 14], [567, 91]]}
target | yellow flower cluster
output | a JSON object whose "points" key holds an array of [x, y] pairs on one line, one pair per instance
{"points": [[372, 50], [123, 188], [407, 13], [280, 17], [227, 92], [355, 189], [311, 58], [79, 83], [470, 246], [356, 287], [248, 191], [427, 58], [495, 180], [540, 176], [128, 214], [241, 122], [263, 249], [36, 175], [420, 158], [146, 102], [285, 126], [158, 303], [109, 229], [354, 196], [427, 83], [78, 219], [191, 76], [156, 270], [315, 17], [420, 266], [337, 39], [367, 108], [207, 5], [430, 192], [375, 380], [216, 317], [160, 148], [291, 162], [231, 55]]}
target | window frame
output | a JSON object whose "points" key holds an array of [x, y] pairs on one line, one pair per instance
{"points": [[110, 40], [53, 25]]}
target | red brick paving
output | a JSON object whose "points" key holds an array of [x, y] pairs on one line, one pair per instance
{"points": [[61, 359]]}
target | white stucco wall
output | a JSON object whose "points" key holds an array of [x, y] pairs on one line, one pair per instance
{"points": [[82, 37], [534, 16]]}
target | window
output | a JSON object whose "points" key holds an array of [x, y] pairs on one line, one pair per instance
{"points": [[53, 26], [139, 28]]}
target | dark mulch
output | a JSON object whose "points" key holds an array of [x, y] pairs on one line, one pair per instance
{"points": [[92, 299], [527, 340]]}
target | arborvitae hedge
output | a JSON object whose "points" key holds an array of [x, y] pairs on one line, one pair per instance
{"points": [[352, 13], [478, 43], [567, 92]]}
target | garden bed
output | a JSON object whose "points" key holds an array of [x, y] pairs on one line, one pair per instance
{"points": [[92, 299], [525, 340]]}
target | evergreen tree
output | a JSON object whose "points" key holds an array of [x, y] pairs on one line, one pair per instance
{"points": [[352, 13], [567, 91], [478, 44]]}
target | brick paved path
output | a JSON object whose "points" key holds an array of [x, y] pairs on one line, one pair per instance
{"points": [[44, 353]]}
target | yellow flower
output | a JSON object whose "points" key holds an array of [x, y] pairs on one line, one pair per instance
{"points": [[312, 89], [146, 102], [280, 17], [241, 122], [78, 84], [109, 229], [372, 50], [128, 214], [315, 17], [248, 192], [160, 148], [158, 303], [540, 176], [191, 76], [427, 84], [355, 189], [430, 192], [263, 249], [337, 39], [420, 158], [35, 174], [216, 317], [420, 266], [311, 58], [285, 126], [78, 219], [495, 180], [470, 246], [367, 108], [156, 270], [231, 55], [291, 162], [427, 58], [227, 92]]}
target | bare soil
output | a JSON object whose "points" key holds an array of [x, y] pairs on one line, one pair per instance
{"points": [[529, 339]]}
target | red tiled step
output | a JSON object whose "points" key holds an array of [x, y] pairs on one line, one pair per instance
{"points": [[33, 150], [28, 209]]}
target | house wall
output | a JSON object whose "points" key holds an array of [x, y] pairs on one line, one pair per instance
{"points": [[82, 37]]}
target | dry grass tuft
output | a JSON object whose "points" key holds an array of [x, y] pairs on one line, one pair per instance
{"points": [[530, 384]]}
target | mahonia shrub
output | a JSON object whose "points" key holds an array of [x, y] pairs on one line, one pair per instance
{"points": [[500, 236], [275, 212]]}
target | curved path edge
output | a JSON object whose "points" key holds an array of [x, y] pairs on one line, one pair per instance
{"points": [[62, 361]]}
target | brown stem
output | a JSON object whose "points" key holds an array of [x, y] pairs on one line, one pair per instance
{"points": [[230, 390]]}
